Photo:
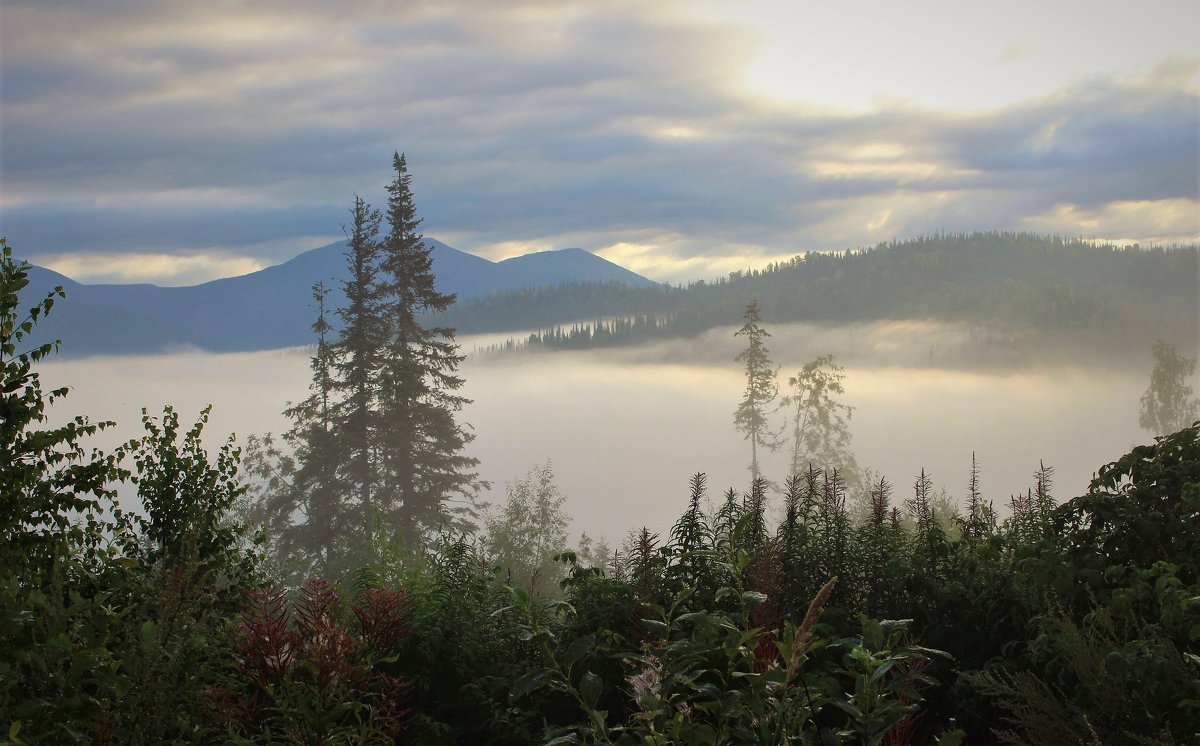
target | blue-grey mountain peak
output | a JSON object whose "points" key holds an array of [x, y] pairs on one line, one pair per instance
{"points": [[273, 307]]}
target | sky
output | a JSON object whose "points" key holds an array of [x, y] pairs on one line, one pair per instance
{"points": [[177, 142]]}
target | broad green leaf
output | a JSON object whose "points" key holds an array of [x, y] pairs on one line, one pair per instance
{"points": [[578, 649], [530, 682], [952, 738], [149, 631], [590, 688]]}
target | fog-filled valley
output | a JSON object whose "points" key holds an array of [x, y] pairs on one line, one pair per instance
{"points": [[948, 452], [546, 528], [696, 373], [624, 429]]}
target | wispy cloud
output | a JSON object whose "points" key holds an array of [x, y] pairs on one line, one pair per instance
{"points": [[131, 267]]}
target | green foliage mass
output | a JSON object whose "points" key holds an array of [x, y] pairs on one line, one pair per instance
{"points": [[111, 623], [523, 536]]}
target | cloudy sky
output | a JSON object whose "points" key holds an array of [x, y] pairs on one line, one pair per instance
{"points": [[175, 142]]}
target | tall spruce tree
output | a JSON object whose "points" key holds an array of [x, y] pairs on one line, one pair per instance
{"points": [[423, 465], [357, 360], [315, 490], [376, 443], [761, 387], [320, 498]]}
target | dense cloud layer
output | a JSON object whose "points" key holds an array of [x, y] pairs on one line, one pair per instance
{"points": [[217, 137]]}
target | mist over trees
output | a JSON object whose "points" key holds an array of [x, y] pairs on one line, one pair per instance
{"points": [[1064, 623], [523, 536], [1169, 403], [817, 423], [834, 607], [1024, 296], [750, 417]]}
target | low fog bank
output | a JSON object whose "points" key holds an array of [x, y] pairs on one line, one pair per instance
{"points": [[624, 437], [625, 429], [919, 343]]}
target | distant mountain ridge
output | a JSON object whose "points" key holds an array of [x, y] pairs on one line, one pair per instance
{"points": [[273, 307], [1008, 286], [1015, 290]]}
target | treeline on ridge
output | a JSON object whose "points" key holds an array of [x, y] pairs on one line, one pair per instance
{"points": [[1018, 280]]}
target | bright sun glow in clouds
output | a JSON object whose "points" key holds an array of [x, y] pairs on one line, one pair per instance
{"points": [[858, 56]]}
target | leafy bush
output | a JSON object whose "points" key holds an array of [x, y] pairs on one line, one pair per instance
{"points": [[112, 622], [307, 673]]}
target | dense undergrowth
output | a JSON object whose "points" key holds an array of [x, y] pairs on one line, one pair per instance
{"points": [[1075, 623]]}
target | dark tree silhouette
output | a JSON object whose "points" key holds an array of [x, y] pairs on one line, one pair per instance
{"points": [[358, 352], [376, 443], [315, 489], [424, 466]]}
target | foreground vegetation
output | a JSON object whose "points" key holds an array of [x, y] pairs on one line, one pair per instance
{"points": [[1076, 623]]}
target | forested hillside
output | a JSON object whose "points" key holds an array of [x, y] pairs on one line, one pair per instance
{"points": [[1008, 281]]}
